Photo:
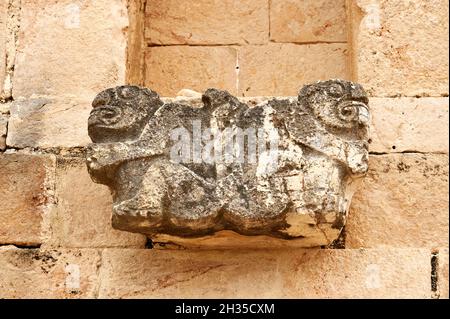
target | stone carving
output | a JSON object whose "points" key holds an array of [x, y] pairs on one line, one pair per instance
{"points": [[168, 175]]}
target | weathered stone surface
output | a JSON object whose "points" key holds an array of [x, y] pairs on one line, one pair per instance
{"points": [[403, 202], [167, 178], [83, 218], [3, 131], [69, 48], [70, 32], [261, 73], [48, 122], [281, 273], [308, 21], [401, 47], [136, 42], [207, 22], [172, 68], [4, 108], [26, 183], [3, 36], [443, 273], [409, 124], [34, 273], [11, 13]]}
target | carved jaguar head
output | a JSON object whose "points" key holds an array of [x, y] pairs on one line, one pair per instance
{"points": [[337, 103], [121, 113]]}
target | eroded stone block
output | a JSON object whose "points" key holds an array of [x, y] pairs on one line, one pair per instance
{"points": [[48, 122], [308, 21], [26, 183], [203, 22], [409, 124], [268, 273], [35, 273], [3, 36], [401, 47], [170, 69], [403, 202], [83, 218], [70, 48], [284, 168], [261, 74]]}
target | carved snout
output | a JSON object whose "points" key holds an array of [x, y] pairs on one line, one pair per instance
{"points": [[364, 115], [358, 160], [104, 115]]}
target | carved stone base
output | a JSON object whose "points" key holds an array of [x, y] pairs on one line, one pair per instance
{"points": [[225, 174]]}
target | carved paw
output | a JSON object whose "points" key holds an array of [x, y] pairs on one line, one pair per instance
{"points": [[358, 163], [135, 207], [360, 168], [100, 156]]}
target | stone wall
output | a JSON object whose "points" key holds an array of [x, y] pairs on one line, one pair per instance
{"points": [[56, 238], [249, 47]]}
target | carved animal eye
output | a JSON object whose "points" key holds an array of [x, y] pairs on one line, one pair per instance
{"points": [[109, 114], [127, 93], [336, 90], [349, 112]]}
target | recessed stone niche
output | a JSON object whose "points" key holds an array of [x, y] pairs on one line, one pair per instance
{"points": [[248, 48], [224, 173]]}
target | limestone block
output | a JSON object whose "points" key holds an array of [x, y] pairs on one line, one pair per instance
{"points": [[82, 218], [26, 183], [280, 273], [136, 42], [280, 69], [308, 21], [48, 122], [34, 273], [3, 37], [403, 202], [409, 124], [401, 47], [187, 171], [207, 22], [70, 48], [4, 108], [172, 68]]}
